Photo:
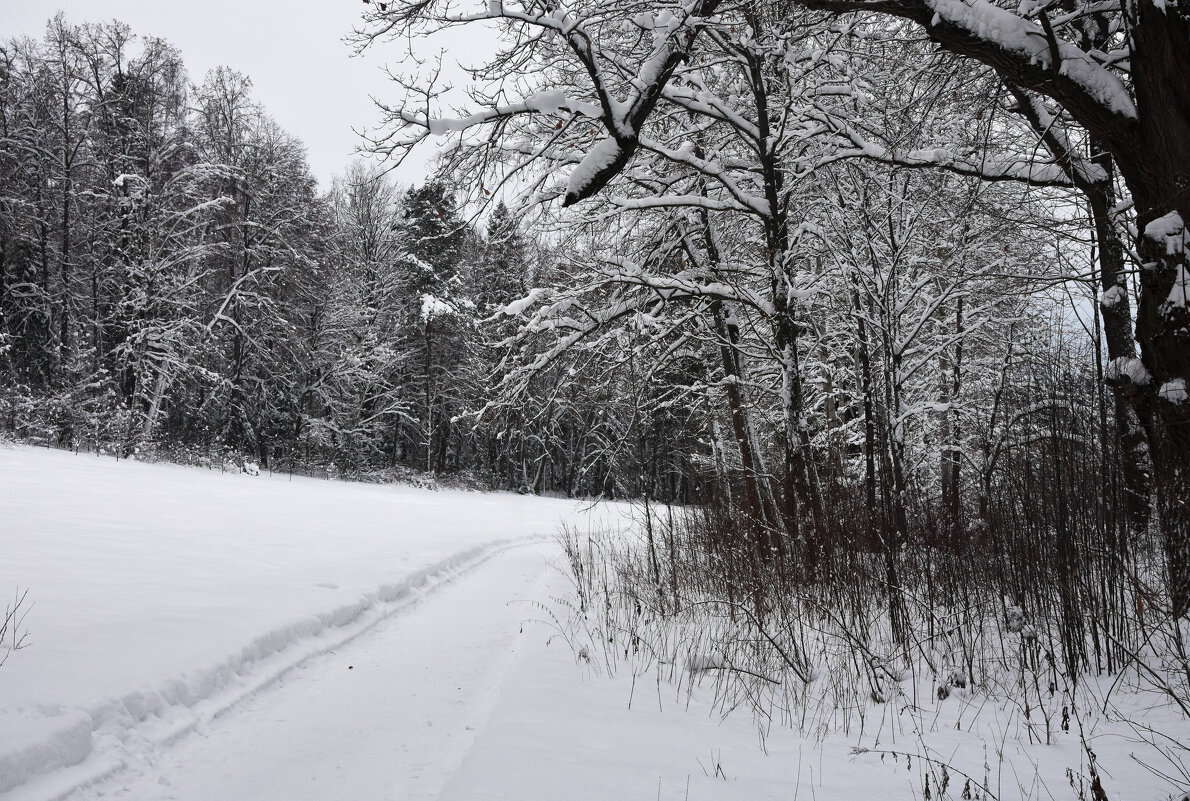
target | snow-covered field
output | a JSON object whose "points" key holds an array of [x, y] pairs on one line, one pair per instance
{"points": [[198, 636], [161, 595]]}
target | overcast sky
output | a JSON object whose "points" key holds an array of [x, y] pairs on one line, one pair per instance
{"points": [[294, 52]]}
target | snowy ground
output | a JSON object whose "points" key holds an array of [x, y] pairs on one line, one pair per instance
{"points": [[162, 595], [200, 636], [390, 714]]}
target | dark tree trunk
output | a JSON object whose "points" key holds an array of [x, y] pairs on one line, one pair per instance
{"points": [[950, 462], [1157, 172], [865, 379], [755, 507]]}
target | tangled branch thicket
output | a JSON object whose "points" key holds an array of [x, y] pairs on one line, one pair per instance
{"points": [[1039, 603]]}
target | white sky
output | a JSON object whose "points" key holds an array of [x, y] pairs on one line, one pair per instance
{"points": [[301, 69]]}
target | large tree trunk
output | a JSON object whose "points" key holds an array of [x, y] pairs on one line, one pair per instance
{"points": [[1115, 307], [802, 491], [756, 496], [1116, 312], [1158, 174]]}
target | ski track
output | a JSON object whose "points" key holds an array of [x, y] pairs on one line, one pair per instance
{"points": [[288, 719]]}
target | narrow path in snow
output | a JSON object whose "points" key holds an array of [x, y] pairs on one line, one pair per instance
{"points": [[389, 716]]}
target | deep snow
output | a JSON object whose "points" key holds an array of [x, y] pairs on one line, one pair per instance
{"points": [[157, 590], [390, 714], [202, 636]]}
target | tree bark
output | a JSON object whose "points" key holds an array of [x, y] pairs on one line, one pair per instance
{"points": [[1158, 174]]}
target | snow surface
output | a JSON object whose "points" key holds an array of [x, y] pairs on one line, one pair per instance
{"points": [[157, 589], [553, 101], [560, 728], [990, 23], [389, 715], [1180, 290], [390, 643]]}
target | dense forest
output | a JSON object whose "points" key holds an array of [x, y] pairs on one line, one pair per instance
{"points": [[173, 284], [913, 274], [858, 288]]}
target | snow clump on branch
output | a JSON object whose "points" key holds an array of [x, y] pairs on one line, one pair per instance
{"points": [[1128, 367], [432, 307], [601, 159]]}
